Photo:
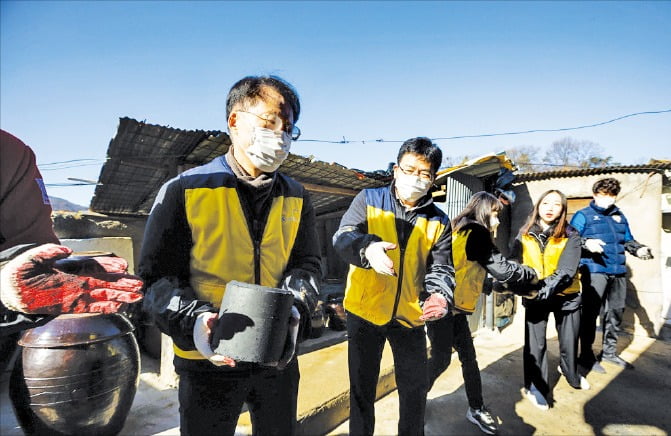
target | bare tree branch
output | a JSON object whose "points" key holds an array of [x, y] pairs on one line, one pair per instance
{"points": [[526, 158]]}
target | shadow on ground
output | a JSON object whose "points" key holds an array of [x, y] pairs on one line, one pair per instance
{"points": [[501, 381], [621, 402], [635, 401]]}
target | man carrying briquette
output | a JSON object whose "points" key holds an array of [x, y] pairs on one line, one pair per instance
{"points": [[234, 218]]}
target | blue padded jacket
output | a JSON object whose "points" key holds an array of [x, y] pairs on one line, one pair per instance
{"points": [[611, 226]]}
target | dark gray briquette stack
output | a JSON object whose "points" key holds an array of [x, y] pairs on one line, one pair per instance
{"points": [[253, 323]]}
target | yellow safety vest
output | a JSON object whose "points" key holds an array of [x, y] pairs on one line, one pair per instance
{"points": [[379, 298], [545, 263], [469, 275], [223, 248]]}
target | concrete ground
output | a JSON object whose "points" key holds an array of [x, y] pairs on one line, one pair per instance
{"points": [[621, 402]]}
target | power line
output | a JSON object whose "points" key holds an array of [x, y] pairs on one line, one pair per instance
{"points": [[486, 135], [563, 129], [87, 162], [63, 164], [68, 161], [65, 167]]}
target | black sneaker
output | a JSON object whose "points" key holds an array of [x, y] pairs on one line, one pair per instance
{"points": [[483, 419], [616, 360]]}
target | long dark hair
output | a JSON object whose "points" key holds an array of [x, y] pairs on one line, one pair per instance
{"points": [[560, 222], [479, 209]]}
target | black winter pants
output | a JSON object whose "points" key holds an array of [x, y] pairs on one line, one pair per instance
{"points": [[535, 343], [453, 331], [605, 294], [210, 402], [365, 344]]}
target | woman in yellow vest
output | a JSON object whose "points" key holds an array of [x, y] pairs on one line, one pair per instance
{"points": [[551, 246], [474, 255]]}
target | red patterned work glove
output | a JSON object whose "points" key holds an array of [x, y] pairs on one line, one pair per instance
{"points": [[434, 308], [45, 280]]}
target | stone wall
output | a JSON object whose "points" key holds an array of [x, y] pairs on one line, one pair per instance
{"points": [[82, 225]]}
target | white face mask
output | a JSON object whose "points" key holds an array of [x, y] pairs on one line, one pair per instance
{"points": [[268, 149], [604, 202], [411, 188]]}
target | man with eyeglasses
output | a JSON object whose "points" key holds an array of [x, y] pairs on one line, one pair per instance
{"points": [[399, 247], [235, 218]]}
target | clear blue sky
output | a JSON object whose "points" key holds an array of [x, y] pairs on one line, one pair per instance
{"points": [[364, 70]]}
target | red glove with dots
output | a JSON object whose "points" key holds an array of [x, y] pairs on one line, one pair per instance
{"points": [[46, 280]]}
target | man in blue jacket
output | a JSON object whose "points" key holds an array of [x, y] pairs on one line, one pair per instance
{"points": [[605, 238]]}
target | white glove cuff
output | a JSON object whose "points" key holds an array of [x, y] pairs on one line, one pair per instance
{"points": [[201, 335]]}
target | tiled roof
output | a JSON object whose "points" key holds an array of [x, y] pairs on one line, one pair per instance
{"points": [[141, 157], [655, 166]]}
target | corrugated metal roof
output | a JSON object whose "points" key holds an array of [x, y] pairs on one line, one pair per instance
{"points": [[654, 166], [141, 157], [481, 166]]}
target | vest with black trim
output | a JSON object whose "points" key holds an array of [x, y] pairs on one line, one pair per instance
{"points": [[469, 274], [379, 298], [224, 248], [609, 225], [545, 262]]}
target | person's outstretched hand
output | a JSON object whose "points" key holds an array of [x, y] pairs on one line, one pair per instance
{"points": [[644, 253], [434, 308], [46, 280], [376, 253]]}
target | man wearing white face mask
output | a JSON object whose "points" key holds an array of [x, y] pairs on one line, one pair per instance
{"points": [[399, 247], [605, 238], [234, 218], [268, 149]]}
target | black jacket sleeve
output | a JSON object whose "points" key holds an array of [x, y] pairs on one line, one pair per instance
{"points": [[567, 267], [352, 236], [164, 266], [516, 250], [632, 246], [481, 249], [13, 322], [439, 276]]}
